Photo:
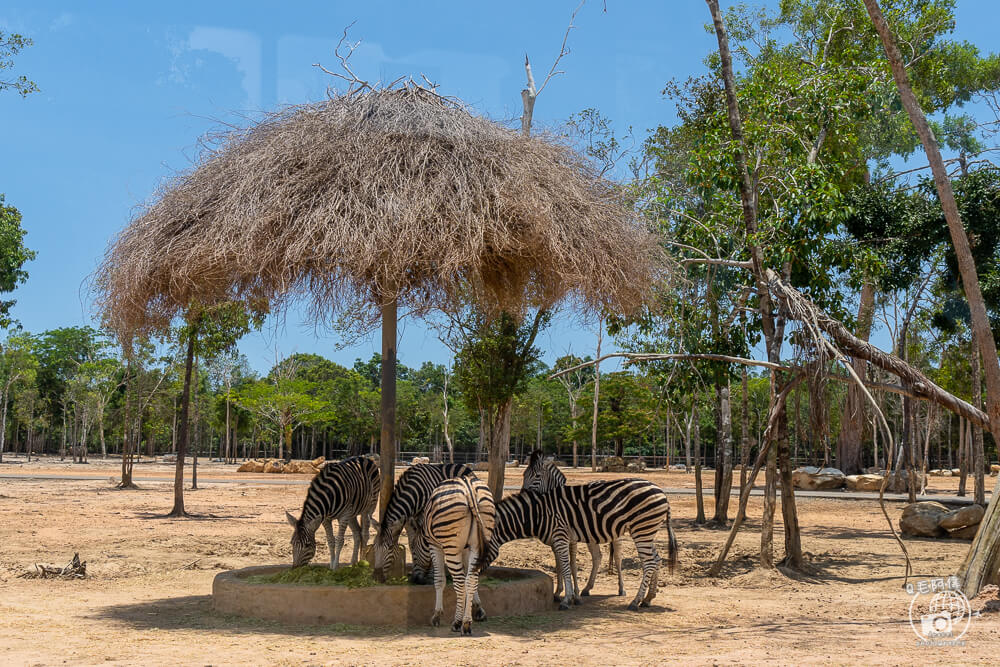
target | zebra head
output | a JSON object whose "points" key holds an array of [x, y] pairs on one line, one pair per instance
{"points": [[533, 472], [303, 542], [385, 548]]}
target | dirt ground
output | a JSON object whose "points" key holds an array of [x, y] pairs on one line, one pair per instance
{"points": [[147, 598]]}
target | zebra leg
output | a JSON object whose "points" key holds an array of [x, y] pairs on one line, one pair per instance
{"points": [[366, 523], [647, 552], [331, 543], [356, 534], [341, 531], [557, 596], [595, 566], [457, 566], [561, 549], [471, 591], [478, 613], [616, 549], [437, 565], [572, 572], [653, 581]]}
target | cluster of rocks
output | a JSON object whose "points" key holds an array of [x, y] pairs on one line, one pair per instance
{"points": [[618, 464], [280, 466], [812, 478], [955, 472], [931, 519]]}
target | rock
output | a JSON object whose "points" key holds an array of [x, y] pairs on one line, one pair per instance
{"points": [[969, 515], [947, 473], [995, 469], [513, 464], [417, 460], [319, 461], [922, 519], [300, 468], [273, 466], [613, 464], [636, 466], [936, 472], [482, 466], [251, 466], [967, 533], [864, 482], [678, 466], [955, 472], [816, 479], [874, 470]]}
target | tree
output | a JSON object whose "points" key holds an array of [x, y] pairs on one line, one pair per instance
{"points": [[13, 254], [10, 45], [18, 366]]}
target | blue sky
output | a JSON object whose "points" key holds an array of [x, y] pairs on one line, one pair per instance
{"points": [[127, 88]]}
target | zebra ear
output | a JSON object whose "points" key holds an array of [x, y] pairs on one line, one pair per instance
{"points": [[292, 521], [535, 457]]}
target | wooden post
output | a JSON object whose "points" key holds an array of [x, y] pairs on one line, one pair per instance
{"points": [[387, 445]]}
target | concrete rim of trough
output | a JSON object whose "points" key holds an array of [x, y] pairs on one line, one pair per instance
{"points": [[521, 592]]}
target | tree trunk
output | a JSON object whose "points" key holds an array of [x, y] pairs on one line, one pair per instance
{"points": [[978, 453], [699, 499], [597, 388], [745, 431], [182, 440], [963, 457], [3, 422], [724, 460], [852, 421], [498, 445], [387, 443]]}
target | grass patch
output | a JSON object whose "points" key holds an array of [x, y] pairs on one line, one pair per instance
{"points": [[358, 575]]}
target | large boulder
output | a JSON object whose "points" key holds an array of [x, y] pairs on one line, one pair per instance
{"points": [[319, 461], [970, 515], [300, 468], [636, 466], [417, 460], [513, 464], [995, 469], [251, 466], [864, 482], [967, 533], [947, 473], [812, 478], [923, 519], [482, 466], [613, 464], [274, 466]]}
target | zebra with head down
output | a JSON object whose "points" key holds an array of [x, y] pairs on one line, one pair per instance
{"points": [[405, 510], [542, 475]]}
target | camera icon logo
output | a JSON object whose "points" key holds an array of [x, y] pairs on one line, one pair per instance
{"points": [[939, 611], [936, 624]]}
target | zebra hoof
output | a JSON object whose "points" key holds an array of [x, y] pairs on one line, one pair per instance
{"points": [[436, 619], [633, 606], [577, 601], [585, 592], [644, 603], [456, 626], [563, 606], [478, 615], [557, 598], [467, 628]]}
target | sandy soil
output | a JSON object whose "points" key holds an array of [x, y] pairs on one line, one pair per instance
{"points": [[147, 597]]}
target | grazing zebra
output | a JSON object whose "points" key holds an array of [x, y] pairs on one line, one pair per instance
{"points": [[597, 512], [458, 524], [406, 508], [544, 475], [339, 491]]}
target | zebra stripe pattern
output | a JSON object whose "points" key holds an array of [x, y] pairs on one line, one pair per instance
{"points": [[406, 509], [458, 524], [340, 491], [543, 475], [597, 512]]}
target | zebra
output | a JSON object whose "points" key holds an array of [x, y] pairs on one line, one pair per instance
{"points": [[339, 491], [406, 509], [457, 527], [544, 475], [596, 512]]}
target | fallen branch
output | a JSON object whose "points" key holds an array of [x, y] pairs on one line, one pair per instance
{"points": [[75, 569]]}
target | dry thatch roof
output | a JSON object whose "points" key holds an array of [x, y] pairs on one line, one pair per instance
{"points": [[372, 195]]}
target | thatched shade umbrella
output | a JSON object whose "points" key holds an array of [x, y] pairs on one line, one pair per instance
{"points": [[373, 200]]}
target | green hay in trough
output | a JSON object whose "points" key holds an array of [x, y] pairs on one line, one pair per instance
{"points": [[352, 576]]}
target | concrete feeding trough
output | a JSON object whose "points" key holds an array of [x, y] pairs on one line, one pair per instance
{"points": [[506, 592]]}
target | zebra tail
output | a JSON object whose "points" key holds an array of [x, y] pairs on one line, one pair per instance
{"points": [[671, 546]]}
